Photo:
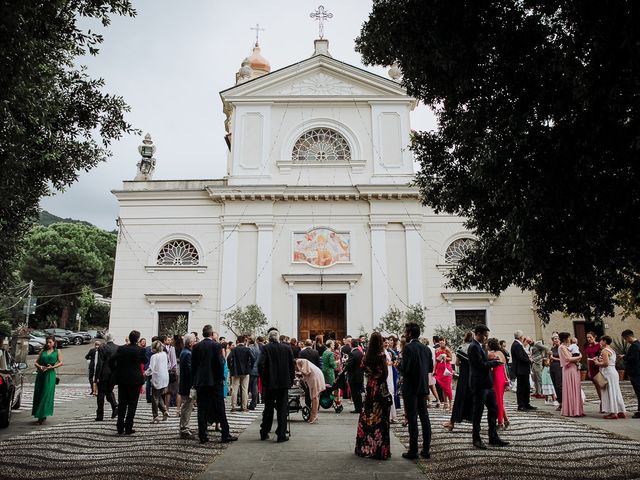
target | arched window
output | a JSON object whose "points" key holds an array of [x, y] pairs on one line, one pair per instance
{"points": [[178, 252], [321, 145], [457, 250]]}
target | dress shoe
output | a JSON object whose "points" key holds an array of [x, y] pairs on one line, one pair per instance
{"points": [[498, 442], [114, 413], [530, 407], [479, 444], [424, 454], [410, 455], [282, 439], [264, 436], [98, 419], [120, 432], [228, 439], [204, 440], [186, 435], [129, 432]]}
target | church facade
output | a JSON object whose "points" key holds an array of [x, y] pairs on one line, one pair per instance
{"points": [[316, 220]]}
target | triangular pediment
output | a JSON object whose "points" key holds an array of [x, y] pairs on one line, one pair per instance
{"points": [[318, 76]]}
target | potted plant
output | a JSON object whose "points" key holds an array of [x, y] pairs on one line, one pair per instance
{"points": [[621, 347]]}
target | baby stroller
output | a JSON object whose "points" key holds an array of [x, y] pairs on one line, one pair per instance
{"points": [[327, 399], [294, 403]]}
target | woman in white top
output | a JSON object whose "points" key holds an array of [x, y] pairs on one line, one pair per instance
{"points": [[392, 414], [159, 372], [612, 401]]}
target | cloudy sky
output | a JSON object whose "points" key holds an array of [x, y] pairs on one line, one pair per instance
{"points": [[169, 63]]}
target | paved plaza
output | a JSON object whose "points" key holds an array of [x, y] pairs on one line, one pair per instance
{"points": [[71, 445]]}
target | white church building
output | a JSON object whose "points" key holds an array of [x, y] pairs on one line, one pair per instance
{"points": [[316, 220]]}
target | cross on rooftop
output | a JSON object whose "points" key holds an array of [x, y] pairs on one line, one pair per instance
{"points": [[258, 29], [321, 15]]}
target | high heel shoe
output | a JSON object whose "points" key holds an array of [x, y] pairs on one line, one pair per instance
{"points": [[506, 423], [448, 426], [314, 420]]}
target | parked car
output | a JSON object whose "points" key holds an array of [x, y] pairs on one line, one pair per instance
{"points": [[74, 337], [35, 345], [96, 333], [86, 335], [11, 379], [61, 341]]}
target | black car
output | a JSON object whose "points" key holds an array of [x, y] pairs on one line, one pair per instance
{"points": [[75, 338], [61, 341], [11, 379]]}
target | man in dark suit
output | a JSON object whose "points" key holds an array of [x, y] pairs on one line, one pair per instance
{"points": [[125, 365], [355, 375], [277, 371], [521, 366], [207, 370], [240, 363], [104, 377], [415, 366], [481, 387], [310, 353]]}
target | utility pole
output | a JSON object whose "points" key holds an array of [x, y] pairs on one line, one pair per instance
{"points": [[28, 309]]}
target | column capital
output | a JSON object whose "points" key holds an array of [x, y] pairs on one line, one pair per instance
{"points": [[265, 226], [230, 226], [409, 225], [378, 225]]}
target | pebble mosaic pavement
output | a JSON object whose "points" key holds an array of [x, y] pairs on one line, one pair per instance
{"points": [[542, 446], [82, 448]]}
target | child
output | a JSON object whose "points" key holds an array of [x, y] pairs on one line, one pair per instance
{"points": [[547, 384], [573, 348]]}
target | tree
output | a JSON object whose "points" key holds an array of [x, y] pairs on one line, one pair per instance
{"points": [[538, 140], [394, 320], [249, 320], [55, 120], [453, 334], [65, 258]]}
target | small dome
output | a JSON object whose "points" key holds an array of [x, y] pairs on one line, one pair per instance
{"points": [[258, 62]]}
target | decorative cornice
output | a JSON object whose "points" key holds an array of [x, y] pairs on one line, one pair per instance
{"points": [[450, 297], [154, 298], [346, 278], [175, 268], [273, 193]]}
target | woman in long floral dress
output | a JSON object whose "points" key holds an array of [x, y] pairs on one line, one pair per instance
{"points": [[373, 438]]}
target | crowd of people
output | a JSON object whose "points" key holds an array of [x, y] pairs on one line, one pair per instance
{"points": [[189, 373]]}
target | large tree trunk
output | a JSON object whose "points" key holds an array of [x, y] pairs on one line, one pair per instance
{"points": [[64, 316]]}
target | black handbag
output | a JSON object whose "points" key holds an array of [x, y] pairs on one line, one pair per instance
{"points": [[386, 397]]}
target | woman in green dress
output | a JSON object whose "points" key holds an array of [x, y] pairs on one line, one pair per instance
{"points": [[45, 388]]}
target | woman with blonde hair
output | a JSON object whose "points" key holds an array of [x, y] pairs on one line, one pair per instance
{"points": [[159, 372]]}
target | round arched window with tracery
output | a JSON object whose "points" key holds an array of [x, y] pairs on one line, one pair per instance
{"points": [[178, 252], [458, 250], [321, 145]]}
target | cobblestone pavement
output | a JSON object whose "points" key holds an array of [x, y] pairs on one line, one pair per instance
{"points": [[82, 448], [64, 394], [542, 445]]}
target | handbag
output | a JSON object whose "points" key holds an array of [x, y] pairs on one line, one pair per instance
{"points": [[57, 380], [600, 381], [447, 372], [387, 398]]}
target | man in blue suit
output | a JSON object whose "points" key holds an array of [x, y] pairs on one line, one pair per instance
{"points": [[207, 369], [481, 386]]}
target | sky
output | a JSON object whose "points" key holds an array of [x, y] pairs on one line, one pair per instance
{"points": [[171, 61]]}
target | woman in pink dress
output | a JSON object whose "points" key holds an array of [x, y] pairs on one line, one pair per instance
{"points": [[500, 380], [571, 389], [314, 378], [444, 373]]}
